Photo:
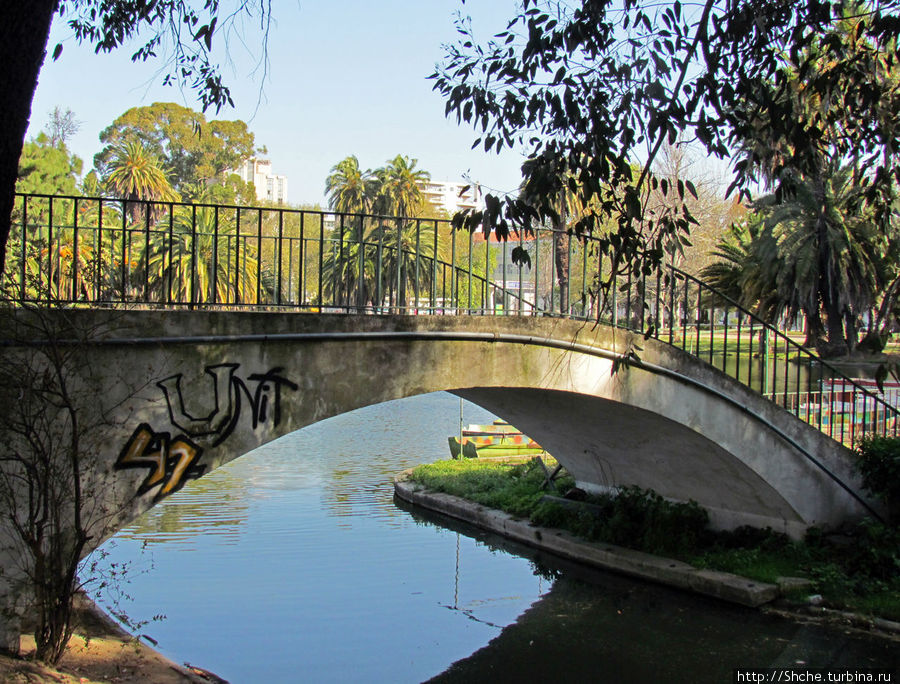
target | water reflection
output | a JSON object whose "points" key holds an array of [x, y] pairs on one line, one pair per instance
{"points": [[217, 505], [295, 564], [595, 626], [319, 573]]}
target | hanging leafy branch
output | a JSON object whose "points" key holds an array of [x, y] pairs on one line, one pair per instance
{"points": [[187, 37], [591, 91], [172, 30]]}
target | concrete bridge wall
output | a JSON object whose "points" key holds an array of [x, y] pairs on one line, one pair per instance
{"points": [[167, 397], [194, 390]]}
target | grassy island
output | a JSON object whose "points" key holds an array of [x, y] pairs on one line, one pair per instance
{"points": [[857, 569]]}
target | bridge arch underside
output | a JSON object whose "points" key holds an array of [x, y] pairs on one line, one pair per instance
{"points": [[607, 445], [669, 423]]}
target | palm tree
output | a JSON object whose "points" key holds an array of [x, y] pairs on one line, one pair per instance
{"points": [[568, 206], [745, 269], [350, 189], [367, 258], [137, 174], [204, 260], [407, 259], [365, 272], [828, 255], [399, 192], [59, 261], [814, 252], [348, 267]]}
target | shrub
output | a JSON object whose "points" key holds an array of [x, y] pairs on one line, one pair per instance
{"points": [[875, 551], [878, 461], [643, 519]]}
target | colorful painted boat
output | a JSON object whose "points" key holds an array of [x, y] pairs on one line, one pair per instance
{"points": [[498, 439]]}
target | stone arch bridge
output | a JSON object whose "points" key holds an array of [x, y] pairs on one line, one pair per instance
{"points": [[197, 334], [194, 390]]}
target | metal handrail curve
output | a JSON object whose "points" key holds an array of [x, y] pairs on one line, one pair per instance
{"points": [[67, 250]]}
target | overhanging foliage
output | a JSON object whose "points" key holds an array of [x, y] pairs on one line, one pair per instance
{"points": [[589, 88]]}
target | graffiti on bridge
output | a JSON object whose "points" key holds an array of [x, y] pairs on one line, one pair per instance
{"points": [[172, 461], [220, 422]]}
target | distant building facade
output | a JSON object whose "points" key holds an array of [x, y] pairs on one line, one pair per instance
{"points": [[452, 196], [269, 186]]}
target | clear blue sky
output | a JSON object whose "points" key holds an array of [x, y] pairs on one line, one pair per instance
{"points": [[345, 77]]}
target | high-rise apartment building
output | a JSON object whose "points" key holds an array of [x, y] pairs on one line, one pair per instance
{"points": [[269, 186], [452, 196]]}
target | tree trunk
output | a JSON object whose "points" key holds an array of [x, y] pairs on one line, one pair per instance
{"points": [[815, 331], [836, 343], [561, 257], [24, 30], [851, 331]]}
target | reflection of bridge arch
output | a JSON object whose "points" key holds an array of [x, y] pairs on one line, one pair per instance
{"points": [[213, 392]]}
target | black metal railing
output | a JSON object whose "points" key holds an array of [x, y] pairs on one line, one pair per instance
{"points": [[91, 251]]}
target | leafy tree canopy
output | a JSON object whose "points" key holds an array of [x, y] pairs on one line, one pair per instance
{"points": [[181, 34], [192, 149], [391, 190], [178, 32], [47, 168], [588, 88]]}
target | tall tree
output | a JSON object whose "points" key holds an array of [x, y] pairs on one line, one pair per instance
{"points": [[136, 174], [47, 167], [205, 260], [394, 255], [24, 30], [399, 191], [745, 269], [181, 33], [810, 253], [350, 189], [830, 232], [61, 126], [592, 86], [828, 256], [197, 152]]}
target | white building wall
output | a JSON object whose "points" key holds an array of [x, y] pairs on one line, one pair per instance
{"points": [[450, 196], [269, 186]]}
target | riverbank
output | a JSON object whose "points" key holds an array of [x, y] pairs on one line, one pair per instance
{"points": [[99, 651], [644, 566], [797, 595]]}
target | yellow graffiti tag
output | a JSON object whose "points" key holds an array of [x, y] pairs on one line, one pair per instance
{"points": [[186, 454], [135, 453], [169, 462]]}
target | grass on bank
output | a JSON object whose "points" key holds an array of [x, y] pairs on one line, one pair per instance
{"points": [[857, 571]]}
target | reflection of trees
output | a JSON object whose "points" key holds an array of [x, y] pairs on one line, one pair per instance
{"points": [[216, 504], [614, 624], [358, 485]]}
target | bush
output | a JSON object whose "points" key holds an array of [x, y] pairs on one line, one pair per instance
{"points": [[636, 518], [643, 519], [878, 461], [875, 551]]}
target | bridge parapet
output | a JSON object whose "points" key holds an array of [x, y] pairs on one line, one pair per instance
{"points": [[83, 252]]}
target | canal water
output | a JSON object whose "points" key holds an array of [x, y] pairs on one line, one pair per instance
{"points": [[295, 564]]}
